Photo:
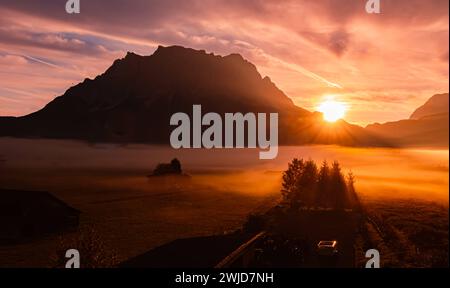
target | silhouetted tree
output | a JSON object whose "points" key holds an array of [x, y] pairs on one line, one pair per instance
{"points": [[307, 184], [291, 176], [323, 185], [354, 199], [338, 187], [176, 165]]}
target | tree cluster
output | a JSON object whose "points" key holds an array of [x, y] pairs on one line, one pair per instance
{"points": [[307, 185]]}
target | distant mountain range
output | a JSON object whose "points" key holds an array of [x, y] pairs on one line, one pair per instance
{"points": [[135, 98], [427, 126]]}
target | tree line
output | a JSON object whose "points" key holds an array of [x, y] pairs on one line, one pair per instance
{"points": [[307, 185]]}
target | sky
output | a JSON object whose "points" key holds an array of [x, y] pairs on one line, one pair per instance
{"points": [[382, 66]]}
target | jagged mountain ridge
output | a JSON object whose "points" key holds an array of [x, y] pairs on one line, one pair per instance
{"points": [[135, 98]]}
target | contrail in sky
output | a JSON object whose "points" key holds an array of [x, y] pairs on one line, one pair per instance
{"points": [[295, 67], [304, 71], [40, 61]]}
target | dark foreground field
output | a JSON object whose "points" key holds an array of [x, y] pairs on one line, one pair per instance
{"points": [[124, 214], [407, 233]]}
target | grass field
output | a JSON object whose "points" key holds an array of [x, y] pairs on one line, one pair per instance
{"points": [[130, 214]]}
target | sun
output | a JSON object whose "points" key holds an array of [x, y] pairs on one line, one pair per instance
{"points": [[332, 110]]}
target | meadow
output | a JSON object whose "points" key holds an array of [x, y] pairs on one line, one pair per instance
{"points": [[132, 213]]}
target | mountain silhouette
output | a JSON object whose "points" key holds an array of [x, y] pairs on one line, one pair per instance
{"points": [[435, 106], [133, 100], [427, 126]]}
